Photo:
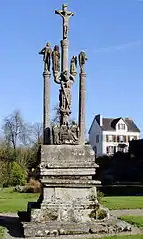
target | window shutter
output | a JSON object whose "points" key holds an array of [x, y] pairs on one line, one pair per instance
{"points": [[106, 138], [107, 149]]}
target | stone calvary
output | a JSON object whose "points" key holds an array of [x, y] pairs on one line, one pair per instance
{"points": [[68, 201]]}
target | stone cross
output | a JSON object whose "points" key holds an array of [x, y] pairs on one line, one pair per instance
{"points": [[65, 14]]}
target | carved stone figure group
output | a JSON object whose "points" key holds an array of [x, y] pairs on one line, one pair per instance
{"points": [[55, 54], [65, 134]]}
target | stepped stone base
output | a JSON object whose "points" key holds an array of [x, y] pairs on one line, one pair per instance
{"points": [[52, 229], [67, 204]]}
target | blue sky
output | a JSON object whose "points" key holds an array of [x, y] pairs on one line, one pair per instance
{"points": [[109, 30]]}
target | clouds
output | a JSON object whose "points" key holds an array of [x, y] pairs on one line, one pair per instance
{"points": [[119, 47]]}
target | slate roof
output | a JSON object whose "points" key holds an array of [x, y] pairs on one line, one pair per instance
{"points": [[110, 123]]}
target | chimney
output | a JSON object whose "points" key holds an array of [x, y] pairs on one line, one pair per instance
{"points": [[99, 119], [128, 118]]}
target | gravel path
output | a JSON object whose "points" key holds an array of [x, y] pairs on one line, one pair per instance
{"points": [[14, 229], [127, 212]]}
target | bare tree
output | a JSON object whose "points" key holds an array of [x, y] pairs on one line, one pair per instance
{"points": [[35, 134], [14, 130], [56, 116]]}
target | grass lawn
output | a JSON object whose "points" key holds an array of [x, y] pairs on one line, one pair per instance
{"points": [[134, 220], [131, 202], [11, 201]]}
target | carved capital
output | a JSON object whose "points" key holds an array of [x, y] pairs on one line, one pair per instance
{"points": [[82, 75], [64, 43], [46, 74]]}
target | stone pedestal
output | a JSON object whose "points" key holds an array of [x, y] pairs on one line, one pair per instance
{"points": [[68, 189], [68, 204]]}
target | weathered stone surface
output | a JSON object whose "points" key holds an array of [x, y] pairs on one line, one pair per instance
{"points": [[49, 229], [67, 156], [69, 204]]}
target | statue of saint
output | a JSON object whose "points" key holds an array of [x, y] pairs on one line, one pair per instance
{"points": [[82, 58], [46, 52], [65, 15], [73, 65], [55, 134], [56, 59], [65, 96], [74, 133], [64, 133]]}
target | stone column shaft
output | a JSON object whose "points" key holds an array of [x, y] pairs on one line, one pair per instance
{"points": [[64, 59], [46, 110], [82, 108]]}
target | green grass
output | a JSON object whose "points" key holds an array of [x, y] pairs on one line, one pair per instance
{"points": [[11, 201], [132, 202], [134, 220]]}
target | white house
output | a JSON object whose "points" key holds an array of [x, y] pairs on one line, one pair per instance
{"points": [[108, 135]]}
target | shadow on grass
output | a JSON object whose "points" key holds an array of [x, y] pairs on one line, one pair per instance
{"points": [[13, 226]]}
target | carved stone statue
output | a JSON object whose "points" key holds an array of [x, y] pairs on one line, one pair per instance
{"points": [[64, 133], [55, 134], [65, 96], [46, 52], [82, 58], [74, 133], [65, 15], [73, 66], [56, 59]]}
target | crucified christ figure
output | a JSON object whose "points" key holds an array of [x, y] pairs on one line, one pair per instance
{"points": [[65, 15]]}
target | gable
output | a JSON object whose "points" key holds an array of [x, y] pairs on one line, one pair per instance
{"points": [[121, 125]]}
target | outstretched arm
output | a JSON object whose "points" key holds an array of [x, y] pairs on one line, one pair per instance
{"points": [[42, 51], [59, 12]]}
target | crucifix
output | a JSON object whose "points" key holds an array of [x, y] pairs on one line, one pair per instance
{"points": [[65, 14]]}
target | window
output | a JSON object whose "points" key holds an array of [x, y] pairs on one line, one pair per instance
{"points": [[110, 138], [97, 138], [131, 138], [121, 126], [110, 150], [121, 138]]}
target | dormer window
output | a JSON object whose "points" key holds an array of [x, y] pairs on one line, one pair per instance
{"points": [[121, 126]]}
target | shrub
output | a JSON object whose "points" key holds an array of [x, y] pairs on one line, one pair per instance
{"points": [[34, 186], [4, 176], [101, 214], [17, 175], [100, 196]]}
